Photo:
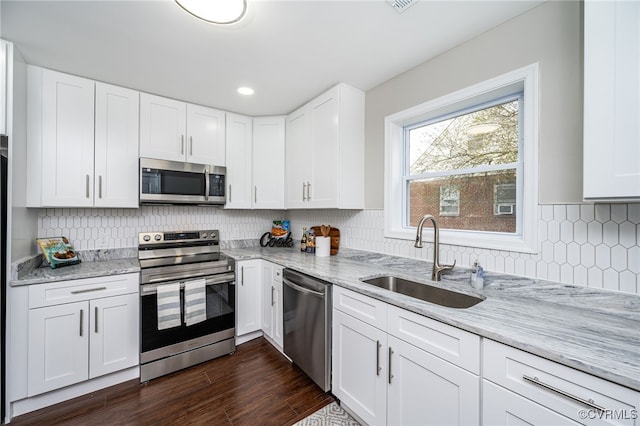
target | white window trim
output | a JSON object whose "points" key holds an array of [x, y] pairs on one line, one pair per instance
{"points": [[527, 241]]}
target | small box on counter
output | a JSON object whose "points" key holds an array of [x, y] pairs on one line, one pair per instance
{"points": [[58, 251]]}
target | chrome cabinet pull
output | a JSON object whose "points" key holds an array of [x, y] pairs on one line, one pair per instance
{"points": [[181, 144], [304, 188], [190, 145], [308, 191], [588, 403], [242, 275], [390, 353], [272, 300], [229, 192], [255, 194], [100, 186], [87, 185], [96, 319], [88, 290], [378, 368], [81, 320]]}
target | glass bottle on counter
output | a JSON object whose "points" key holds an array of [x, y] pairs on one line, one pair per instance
{"points": [[311, 241], [303, 241]]}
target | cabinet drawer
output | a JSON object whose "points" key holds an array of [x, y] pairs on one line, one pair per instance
{"points": [[84, 289], [558, 387], [365, 308], [457, 346]]}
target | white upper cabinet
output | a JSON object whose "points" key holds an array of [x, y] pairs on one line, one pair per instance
{"points": [[116, 146], [268, 162], [5, 48], [177, 131], [238, 160], [611, 100], [325, 151], [74, 122], [255, 162]]}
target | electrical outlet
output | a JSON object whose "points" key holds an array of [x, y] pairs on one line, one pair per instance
{"points": [[102, 239]]}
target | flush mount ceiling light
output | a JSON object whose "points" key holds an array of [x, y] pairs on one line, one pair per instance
{"points": [[215, 11], [247, 91], [481, 129]]}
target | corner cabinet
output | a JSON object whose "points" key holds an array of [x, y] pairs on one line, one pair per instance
{"points": [[82, 145], [255, 162], [176, 131], [325, 151], [611, 100], [81, 329], [391, 366], [249, 296]]}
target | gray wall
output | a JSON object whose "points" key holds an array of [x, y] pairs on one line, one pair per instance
{"points": [[550, 34]]}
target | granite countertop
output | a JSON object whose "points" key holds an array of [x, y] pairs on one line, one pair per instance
{"points": [[594, 331], [591, 330]]}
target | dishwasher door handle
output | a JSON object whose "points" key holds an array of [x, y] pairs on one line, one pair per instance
{"points": [[302, 289]]}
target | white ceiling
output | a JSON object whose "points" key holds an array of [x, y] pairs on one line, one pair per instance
{"points": [[288, 51]]}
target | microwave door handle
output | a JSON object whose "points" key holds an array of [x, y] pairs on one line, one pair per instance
{"points": [[206, 184]]}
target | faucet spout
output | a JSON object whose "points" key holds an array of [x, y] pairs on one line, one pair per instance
{"points": [[437, 268]]}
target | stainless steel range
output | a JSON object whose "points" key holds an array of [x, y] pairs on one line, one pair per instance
{"points": [[187, 301]]}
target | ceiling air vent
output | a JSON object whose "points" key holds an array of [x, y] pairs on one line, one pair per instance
{"points": [[401, 5]]}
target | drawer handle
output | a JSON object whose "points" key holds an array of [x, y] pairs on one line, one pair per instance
{"points": [[88, 290], [588, 403]]}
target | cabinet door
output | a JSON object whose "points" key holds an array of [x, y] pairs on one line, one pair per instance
{"points": [[114, 342], [267, 299], [278, 318], [239, 161], [324, 151], [424, 389], [359, 373], [116, 147], [249, 309], [67, 140], [5, 63], [205, 135], [297, 159], [58, 346], [268, 162], [611, 100], [163, 124], [501, 407]]}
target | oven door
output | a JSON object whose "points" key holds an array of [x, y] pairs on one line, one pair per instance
{"points": [[219, 323]]}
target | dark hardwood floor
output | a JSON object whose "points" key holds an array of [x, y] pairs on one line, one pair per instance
{"points": [[255, 386]]}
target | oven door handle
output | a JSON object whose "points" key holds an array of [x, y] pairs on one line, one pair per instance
{"points": [[180, 277], [151, 288]]}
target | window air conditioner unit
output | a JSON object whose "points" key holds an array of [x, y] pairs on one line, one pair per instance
{"points": [[506, 209]]}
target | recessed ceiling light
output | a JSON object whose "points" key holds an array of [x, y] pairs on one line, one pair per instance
{"points": [[216, 12], [245, 91]]}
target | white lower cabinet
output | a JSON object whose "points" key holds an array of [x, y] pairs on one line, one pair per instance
{"points": [[81, 329], [272, 315], [249, 296], [543, 392], [386, 376]]}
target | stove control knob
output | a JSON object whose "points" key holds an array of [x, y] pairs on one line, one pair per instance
{"points": [[146, 238], [157, 237]]}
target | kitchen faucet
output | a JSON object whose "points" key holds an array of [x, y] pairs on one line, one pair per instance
{"points": [[437, 268]]}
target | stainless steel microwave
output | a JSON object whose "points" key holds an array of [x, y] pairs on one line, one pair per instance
{"points": [[174, 182]]}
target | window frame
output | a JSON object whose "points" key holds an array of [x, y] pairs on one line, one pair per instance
{"points": [[448, 189], [525, 239]]}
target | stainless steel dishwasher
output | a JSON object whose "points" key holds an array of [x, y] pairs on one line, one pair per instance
{"points": [[307, 325]]}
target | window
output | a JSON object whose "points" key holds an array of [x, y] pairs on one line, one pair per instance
{"points": [[449, 200], [470, 159]]}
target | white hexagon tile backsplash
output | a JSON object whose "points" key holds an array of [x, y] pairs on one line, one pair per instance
{"points": [[583, 244]]}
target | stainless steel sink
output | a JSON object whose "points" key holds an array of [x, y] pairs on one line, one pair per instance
{"points": [[428, 293]]}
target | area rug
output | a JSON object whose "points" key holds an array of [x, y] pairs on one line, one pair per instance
{"points": [[330, 415]]}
